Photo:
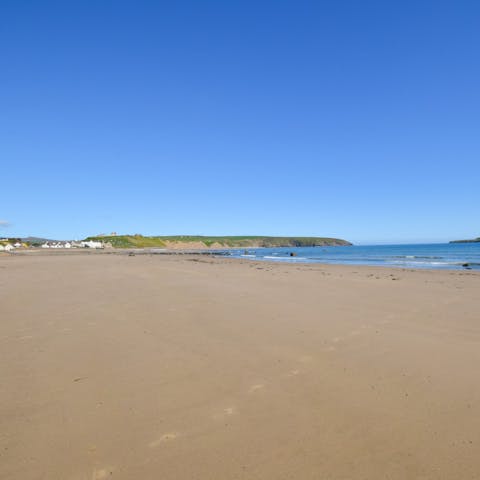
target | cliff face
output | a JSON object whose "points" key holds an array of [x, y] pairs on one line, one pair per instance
{"points": [[473, 240], [200, 242]]}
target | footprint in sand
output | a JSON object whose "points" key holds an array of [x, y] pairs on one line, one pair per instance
{"points": [[293, 373], [256, 388], [166, 437], [100, 473], [226, 412]]}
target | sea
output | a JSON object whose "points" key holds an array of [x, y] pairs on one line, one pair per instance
{"points": [[444, 256]]}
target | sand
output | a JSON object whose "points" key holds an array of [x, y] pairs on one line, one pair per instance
{"points": [[158, 367]]}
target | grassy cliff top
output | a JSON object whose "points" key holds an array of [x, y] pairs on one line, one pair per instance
{"points": [[139, 241]]}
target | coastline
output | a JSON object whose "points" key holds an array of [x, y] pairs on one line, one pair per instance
{"points": [[434, 261], [131, 364]]}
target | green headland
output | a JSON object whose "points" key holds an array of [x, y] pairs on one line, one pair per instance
{"points": [[196, 241], [473, 240]]}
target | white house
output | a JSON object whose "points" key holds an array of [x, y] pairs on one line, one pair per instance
{"points": [[45, 245], [9, 247], [67, 245], [17, 245], [1, 247]]}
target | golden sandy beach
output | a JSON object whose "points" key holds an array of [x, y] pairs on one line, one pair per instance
{"points": [[177, 367]]}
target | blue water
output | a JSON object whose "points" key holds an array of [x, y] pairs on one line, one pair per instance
{"points": [[436, 256]]}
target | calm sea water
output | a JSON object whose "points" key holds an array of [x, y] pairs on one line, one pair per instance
{"points": [[436, 256]]}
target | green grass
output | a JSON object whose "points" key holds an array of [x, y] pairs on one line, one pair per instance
{"points": [[130, 241]]}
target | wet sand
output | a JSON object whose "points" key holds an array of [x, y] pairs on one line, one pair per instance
{"points": [[159, 367]]}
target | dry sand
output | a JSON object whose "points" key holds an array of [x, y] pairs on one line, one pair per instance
{"points": [[155, 367]]}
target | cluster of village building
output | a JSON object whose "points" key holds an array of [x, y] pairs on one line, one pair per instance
{"points": [[74, 244], [6, 246]]}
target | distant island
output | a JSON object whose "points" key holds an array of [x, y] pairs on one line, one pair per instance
{"points": [[473, 240], [198, 241]]}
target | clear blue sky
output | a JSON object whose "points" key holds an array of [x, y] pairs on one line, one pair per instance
{"points": [[354, 119]]}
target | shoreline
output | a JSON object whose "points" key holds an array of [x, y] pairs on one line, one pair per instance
{"points": [[222, 254]]}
